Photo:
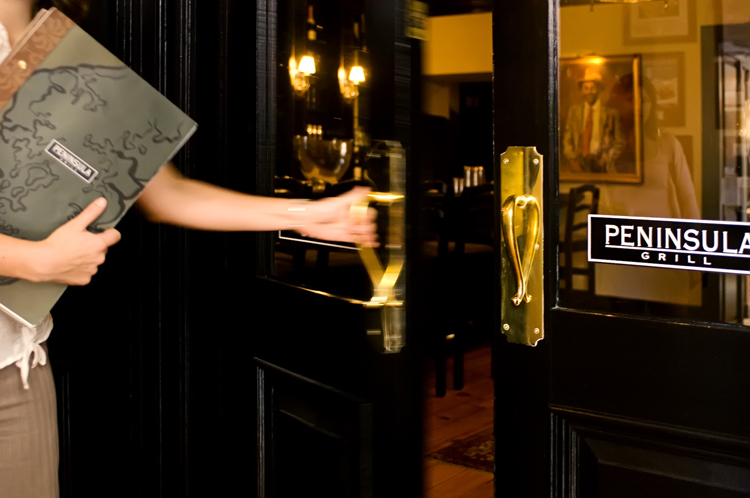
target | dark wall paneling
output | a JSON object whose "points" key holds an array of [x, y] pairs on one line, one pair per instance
{"points": [[150, 378], [238, 299], [265, 111], [304, 421], [598, 455], [62, 388]]}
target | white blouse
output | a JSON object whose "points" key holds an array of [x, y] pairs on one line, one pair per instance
{"points": [[20, 344]]}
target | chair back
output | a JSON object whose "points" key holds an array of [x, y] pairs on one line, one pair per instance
{"points": [[582, 201]]}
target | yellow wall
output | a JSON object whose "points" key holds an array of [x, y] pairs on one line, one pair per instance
{"points": [[436, 99], [458, 45], [458, 49]]}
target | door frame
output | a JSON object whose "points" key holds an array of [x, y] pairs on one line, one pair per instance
{"points": [[520, 468], [396, 406]]}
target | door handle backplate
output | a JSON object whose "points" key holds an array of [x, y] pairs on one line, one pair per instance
{"points": [[522, 294]]}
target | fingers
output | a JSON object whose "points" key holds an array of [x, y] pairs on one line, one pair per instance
{"points": [[90, 214], [356, 194], [71, 254], [110, 237], [82, 277]]}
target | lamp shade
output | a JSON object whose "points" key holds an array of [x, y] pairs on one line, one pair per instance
{"points": [[357, 75], [307, 65]]}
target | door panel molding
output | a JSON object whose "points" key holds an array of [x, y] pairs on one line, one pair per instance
{"points": [[300, 419], [652, 370], [603, 455]]}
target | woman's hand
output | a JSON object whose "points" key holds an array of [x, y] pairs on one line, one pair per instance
{"points": [[71, 254], [333, 218]]}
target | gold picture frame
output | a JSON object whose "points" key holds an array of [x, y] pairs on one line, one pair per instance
{"points": [[600, 119], [672, 21]]}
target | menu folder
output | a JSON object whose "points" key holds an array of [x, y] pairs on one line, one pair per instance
{"points": [[75, 124]]}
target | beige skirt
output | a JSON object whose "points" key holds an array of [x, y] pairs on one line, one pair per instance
{"points": [[29, 452]]}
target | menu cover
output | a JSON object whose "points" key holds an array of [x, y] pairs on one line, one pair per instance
{"points": [[75, 124]]}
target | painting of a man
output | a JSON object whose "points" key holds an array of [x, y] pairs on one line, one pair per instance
{"points": [[593, 137]]}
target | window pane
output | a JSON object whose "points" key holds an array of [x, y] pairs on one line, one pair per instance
{"points": [[653, 122]]}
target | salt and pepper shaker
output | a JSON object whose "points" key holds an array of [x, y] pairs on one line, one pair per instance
{"points": [[458, 185], [473, 176]]}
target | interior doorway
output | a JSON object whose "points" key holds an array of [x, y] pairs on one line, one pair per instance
{"points": [[458, 247]]}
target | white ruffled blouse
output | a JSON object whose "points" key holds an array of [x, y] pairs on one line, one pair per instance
{"points": [[20, 344]]}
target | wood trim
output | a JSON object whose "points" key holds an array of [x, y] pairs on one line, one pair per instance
{"points": [[572, 429], [264, 447], [522, 117], [701, 442], [61, 372], [266, 123]]}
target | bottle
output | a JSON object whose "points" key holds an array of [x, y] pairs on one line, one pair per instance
{"points": [[312, 32], [362, 40]]}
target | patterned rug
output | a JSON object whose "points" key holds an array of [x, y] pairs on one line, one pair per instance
{"points": [[476, 452]]}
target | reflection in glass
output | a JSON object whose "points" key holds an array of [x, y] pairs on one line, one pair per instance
{"points": [[682, 112], [324, 129]]}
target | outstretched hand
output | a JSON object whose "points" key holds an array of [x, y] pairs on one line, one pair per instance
{"points": [[71, 254], [333, 218]]}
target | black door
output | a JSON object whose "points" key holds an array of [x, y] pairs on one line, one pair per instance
{"points": [[639, 386], [337, 379]]}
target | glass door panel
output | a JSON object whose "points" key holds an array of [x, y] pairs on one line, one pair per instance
{"points": [[653, 122], [327, 137]]}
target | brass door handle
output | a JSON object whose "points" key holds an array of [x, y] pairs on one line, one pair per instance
{"points": [[522, 293], [531, 224], [384, 279]]}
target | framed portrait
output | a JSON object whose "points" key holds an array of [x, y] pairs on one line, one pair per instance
{"points": [[600, 119], [671, 21], [666, 72]]}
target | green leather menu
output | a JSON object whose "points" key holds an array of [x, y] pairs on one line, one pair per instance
{"points": [[75, 124]]}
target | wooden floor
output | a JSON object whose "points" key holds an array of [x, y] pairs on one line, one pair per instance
{"points": [[459, 415]]}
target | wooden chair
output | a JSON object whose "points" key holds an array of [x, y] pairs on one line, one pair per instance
{"points": [[467, 279]]}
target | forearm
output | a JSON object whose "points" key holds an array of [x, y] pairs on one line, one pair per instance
{"points": [[173, 199], [19, 258]]}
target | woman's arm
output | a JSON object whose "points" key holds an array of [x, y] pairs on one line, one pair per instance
{"points": [[172, 198]]}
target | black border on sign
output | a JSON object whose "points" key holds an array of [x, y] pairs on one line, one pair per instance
{"points": [[672, 267]]}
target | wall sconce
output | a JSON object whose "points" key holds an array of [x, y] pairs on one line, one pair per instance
{"points": [[300, 76], [349, 86]]}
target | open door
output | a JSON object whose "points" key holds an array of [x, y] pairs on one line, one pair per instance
{"points": [[639, 385], [338, 383]]}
